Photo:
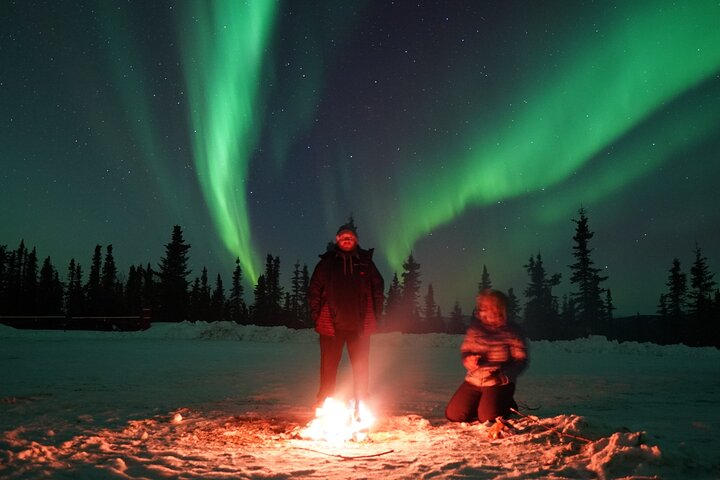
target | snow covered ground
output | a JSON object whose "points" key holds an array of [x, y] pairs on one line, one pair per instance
{"points": [[225, 401]]}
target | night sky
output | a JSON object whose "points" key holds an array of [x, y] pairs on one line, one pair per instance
{"points": [[467, 132]]}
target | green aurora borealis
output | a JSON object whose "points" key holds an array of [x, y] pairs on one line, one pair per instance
{"points": [[468, 134], [608, 87], [223, 62]]}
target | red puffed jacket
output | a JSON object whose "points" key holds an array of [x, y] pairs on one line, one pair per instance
{"points": [[507, 342]]}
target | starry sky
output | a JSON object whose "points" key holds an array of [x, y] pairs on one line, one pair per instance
{"points": [[468, 133]]}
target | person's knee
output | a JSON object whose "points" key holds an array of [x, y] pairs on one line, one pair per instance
{"points": [[456, 419], [454, 415], [491, 412], [487, 417]]}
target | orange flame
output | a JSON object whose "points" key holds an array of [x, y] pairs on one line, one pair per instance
{"points": [[337, 422]]}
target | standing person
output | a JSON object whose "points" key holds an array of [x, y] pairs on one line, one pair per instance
{"points": [[494, 353], [345, 295]]}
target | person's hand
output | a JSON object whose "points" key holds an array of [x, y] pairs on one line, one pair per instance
{"points": [[498, 377], [471, 362]]}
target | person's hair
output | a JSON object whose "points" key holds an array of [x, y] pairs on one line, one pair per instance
{"points": [[497, 294]]}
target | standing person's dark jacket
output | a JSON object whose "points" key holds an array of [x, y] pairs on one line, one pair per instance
{"points": [[346, 292]]}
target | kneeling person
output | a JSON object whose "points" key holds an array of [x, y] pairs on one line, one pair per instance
{"points": [[494, 353]]}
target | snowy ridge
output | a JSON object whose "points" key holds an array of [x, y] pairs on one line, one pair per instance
{"points": [[598, 344], [252, 333]]}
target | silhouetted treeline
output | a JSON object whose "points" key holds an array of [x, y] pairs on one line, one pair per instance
{"points": [[688, 310], [165, 291]]}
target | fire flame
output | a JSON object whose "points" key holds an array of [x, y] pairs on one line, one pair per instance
{"points": [[337, 422]]}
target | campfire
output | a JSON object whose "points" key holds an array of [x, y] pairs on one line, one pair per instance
{"points": [[338, 422]]}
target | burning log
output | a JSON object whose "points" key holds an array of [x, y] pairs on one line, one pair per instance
{"points": [[338, 422]]}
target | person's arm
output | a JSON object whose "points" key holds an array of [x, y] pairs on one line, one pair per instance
{"points": [[315, 290], [472, 348], [483, 359], [509, 353], [518, 360], [378, 289]]}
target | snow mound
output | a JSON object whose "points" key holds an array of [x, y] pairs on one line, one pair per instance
{"points": [[601, 345]]}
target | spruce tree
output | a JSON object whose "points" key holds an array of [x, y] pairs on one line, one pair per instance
{"points": [[676, 296], [11, 285], [74, 295], [485, 282], [286, 314], [701, 299], [119, 296], [14, 280], [456, 323], [587, 301], [429, 309], [217, 301], [203, 300], [108, 282], [193, 308], [541, 309], [392, 304], [295, 299], [50, 290], [674, 305], [662, 306], [93, 288], [439, 324], [269, 295], [3, 278], [68, 304], [149, 290], [132, 303], [275, 291], [259, 311], [409, 294], [173, 284], [567, 318], [663, 335], [28, 292], [304, 304], [609, 307], [513, 306], [433, 315], [237, 309], [701, 283], [714, 334]]}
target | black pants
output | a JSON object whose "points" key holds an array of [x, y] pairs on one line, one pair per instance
{"points": [[470, 403], [331, 349]]}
